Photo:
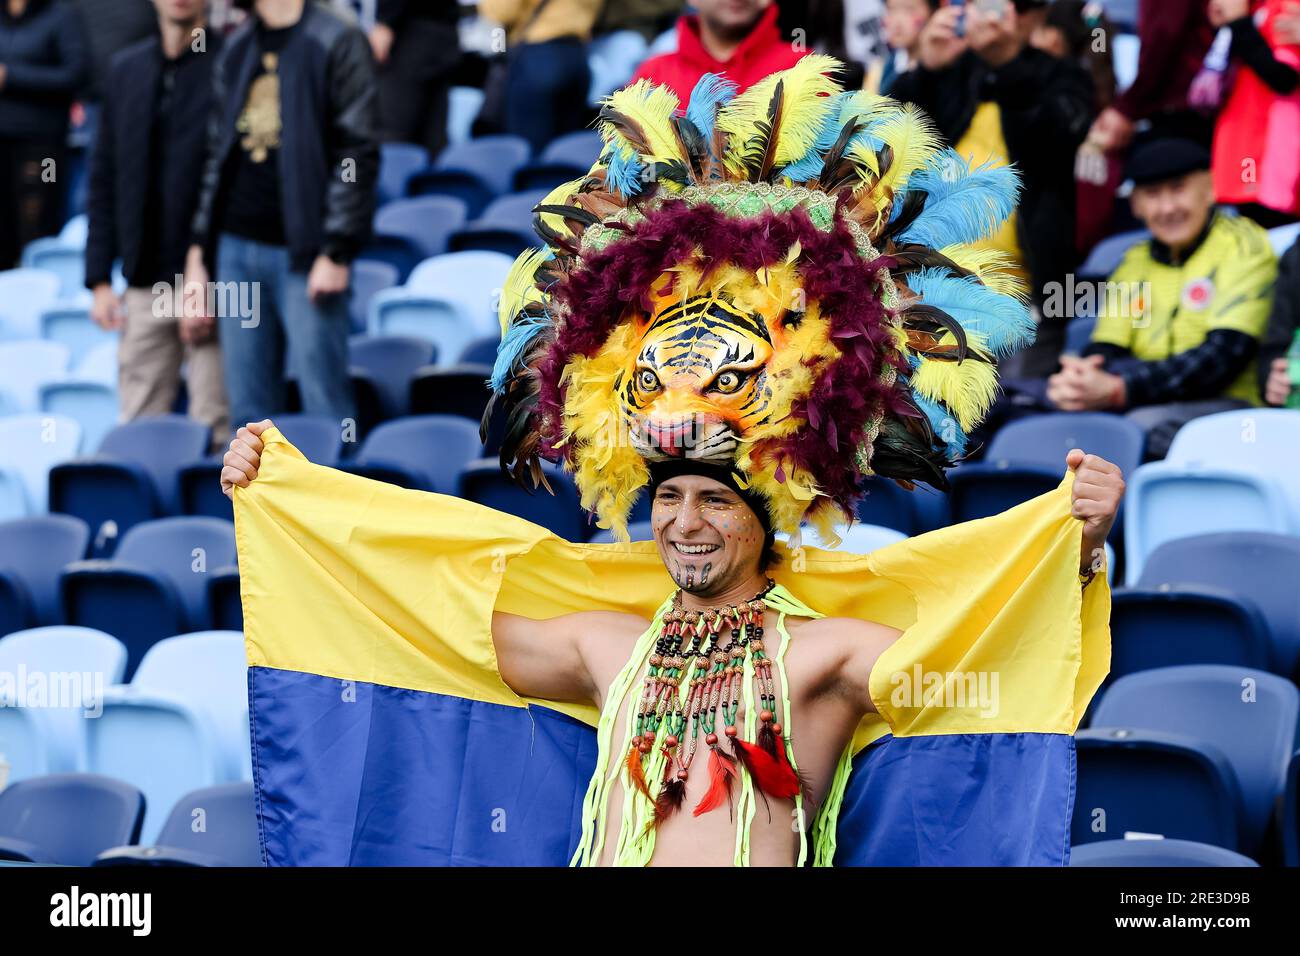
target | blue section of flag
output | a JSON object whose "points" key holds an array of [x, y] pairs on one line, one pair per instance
{"points": [[349, 773], [959, 800]]}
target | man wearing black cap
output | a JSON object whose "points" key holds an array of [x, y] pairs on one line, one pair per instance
{"points": [[1181, 317]]}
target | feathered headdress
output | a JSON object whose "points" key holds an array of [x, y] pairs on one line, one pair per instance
{"points": [[781, 282]]}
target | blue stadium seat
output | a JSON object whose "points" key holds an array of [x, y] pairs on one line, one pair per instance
{"points": [[68, 819], [637, 531], [1155, 853], [228, 835], [99, 364], [224, 599], [425, 221], [1107, 254], [368, 277], [92, 405], [398, 251], [454, 390], [491, 159], [1148, 782], [397, 162], [889, 505], [1168, 627], [155, 586], [613, 59], [1257, 567], [30, 445], [464, 104], [47, 736], [859, 538], [426, 452], [465, 186], [132, 478], [33, 552], [181, 723], [73, 327], [389, 362], [481, 351], [55, 256], [1249, 715], [1247, 462], [564, 158], [446, 322], [24, 295], [1027, 458], [474, 279], [505, 226], [24, 368], [484, 481]]}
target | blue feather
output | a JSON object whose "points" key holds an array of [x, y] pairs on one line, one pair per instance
{"points": [[514, 344], [1003, 321], [711, 92], [944, 424], [624, 175], [809, 165], [964, 205]]}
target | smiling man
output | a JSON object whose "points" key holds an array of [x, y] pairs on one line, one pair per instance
{"points": [[743, 350]]}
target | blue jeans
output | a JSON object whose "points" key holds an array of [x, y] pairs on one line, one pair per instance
{"points": [[276, 321]]}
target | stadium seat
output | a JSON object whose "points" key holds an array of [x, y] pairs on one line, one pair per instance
{"points": [[483, 481], [456, 390], [55, 256], [426, 452], [446, 322], [1259, 568], [505, 226], [155, 586], [425, 221], [474, 279], [889, 505], [400, 252], [1247, 462], [1168, 627], [68, 819], [75, 231], [224, 599], [73, 327], [464, 104], [1249, 715], [30, 445], [397, 162], [1107, 254], [1155, 853], [212, 826], [32, 553], [564, 158], [24, 295], [465, 186], [481, 351], [1027, 458], [99, 364], [476, 170], [1150, 783], [181, 723], [47, 735], [389, 362], [858, 538], [613, 59], [368, 277], [132, 478], [24, 368], [92, 405]]}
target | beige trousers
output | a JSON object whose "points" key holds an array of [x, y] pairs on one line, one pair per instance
{"points": [[149, 358]]}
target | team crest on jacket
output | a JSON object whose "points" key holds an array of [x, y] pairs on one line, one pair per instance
{"points": [[1198, 294]]}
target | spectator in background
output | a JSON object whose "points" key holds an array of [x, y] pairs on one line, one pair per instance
{"points": [[1175, 36], [739, 38], [996, 100], [818, 26], [143, 190], [548, 79], [1257, 137], [1079, 31], [1279, 352], [285, 203], [904, 21], [42, 65], [1184, 345], [649, 18], [110, 26], [417, 48]]}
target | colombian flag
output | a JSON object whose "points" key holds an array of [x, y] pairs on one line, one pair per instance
{"points": [[383, 733]]}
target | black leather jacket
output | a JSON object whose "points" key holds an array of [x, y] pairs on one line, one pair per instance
{"points": [[329, 149]]}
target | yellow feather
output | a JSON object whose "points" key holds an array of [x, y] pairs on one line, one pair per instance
{"points": [[967, 388], [992, 266], [807, 98], [912, 137], [651, 107], [520, 289]]}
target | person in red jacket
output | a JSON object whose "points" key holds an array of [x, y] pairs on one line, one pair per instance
{"points": [[738, 38]]}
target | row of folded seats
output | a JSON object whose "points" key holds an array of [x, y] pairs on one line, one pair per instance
{"points": [[146, 737]]}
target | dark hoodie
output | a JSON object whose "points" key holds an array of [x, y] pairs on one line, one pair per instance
{"points": [[44, 57]]}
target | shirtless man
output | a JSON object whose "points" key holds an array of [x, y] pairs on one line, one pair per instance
{"points": [[712, 544]]}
